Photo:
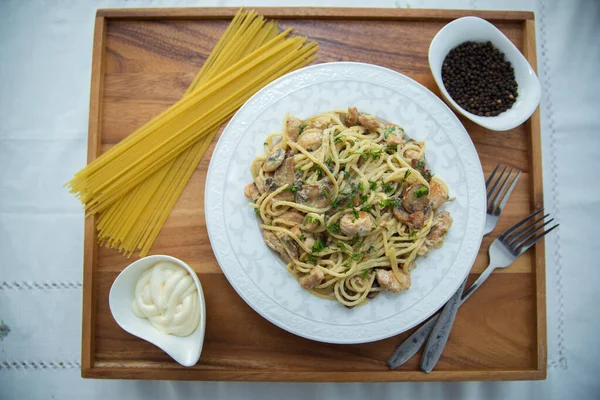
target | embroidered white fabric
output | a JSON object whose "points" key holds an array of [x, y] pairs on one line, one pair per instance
{"points": [[44, 96]]}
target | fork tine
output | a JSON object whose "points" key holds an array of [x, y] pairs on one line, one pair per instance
{"points": [[507, 194], [518, 224], [521, 240], [513, 237], [489, 180], [526, 246], [493, 189], [500, 190]]}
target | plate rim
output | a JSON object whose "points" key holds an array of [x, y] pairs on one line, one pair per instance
{"points": [[211, 233]]}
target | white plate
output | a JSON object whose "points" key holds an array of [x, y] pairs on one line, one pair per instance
{"points": [[260, 277]]}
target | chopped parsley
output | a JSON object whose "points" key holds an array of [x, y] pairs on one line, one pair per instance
{"points": [[300, 236], [337, 139], [312, 259], [325, 192], [363, 198], [387, 187], [312, 220], [303, 127], [355, 212], [373, 153], [355, 239], [319, 171], [265, 144], [406, 175], [333, 227], [427, 175], [336, 203], [347, 175], [365, 273], [372, 185], [257, 211], [292, 189], [357, 256], [367, 208], [388, 131], [422, 191], [387, 203], [412, 235], [318, 246], [420, 164], [361, 186]]}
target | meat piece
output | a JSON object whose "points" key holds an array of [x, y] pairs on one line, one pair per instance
{"points": [[369, 122], [318, 123], [260, 184], [311, 139], [415, 221], [274, 160], [312, 279], [351, 119], [388, 281], [438, 194], [292, 127], [274, 243], [285, 173], [293, 216], [441, 223], [251, 192], [311, 224], [314, 195], [393, 135], [361, 226], [289, 243], [415, 198]]}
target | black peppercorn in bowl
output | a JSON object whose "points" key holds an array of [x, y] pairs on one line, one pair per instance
{"points": [[482, 75]]}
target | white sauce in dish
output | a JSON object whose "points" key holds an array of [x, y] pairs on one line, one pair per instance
{"points": [[167, 296]]}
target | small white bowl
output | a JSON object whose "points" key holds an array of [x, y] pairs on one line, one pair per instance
{"points": [[479, 30], [184, 349]]}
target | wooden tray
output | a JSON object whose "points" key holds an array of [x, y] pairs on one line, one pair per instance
{"points": [[143, 61]]}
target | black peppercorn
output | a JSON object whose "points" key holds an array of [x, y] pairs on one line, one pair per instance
{"points": [[479, 79]]}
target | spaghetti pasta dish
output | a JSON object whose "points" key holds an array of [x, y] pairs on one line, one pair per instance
{"points": [[348, 204]]}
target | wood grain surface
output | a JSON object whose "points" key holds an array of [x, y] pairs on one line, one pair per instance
{"points": [[144, 59]]}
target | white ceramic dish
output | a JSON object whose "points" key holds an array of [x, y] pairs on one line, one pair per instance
{"points": [[260, 277], [186, 349], [479, 30]]}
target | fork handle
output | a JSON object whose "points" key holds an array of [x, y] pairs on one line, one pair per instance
{"points": [[414, 342]]}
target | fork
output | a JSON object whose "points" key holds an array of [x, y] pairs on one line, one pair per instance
{"points": [[496, 200], [503, 252]]}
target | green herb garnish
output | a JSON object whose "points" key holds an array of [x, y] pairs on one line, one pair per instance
{"points": [[406, 175], [363, 198], [312, 220], [367, 208], [365, 273], [257, 211], [355, 212], [357, 256], [372, 185], [412, 235], [312, 259], [337, 139], [387, 187], [387, 203], [303, 127], [422, 191], [334, 228], [361, 186], [318, 246], [420, 164]]}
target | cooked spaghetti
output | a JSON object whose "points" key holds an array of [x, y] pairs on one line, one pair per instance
{"points": [[348, 203]]}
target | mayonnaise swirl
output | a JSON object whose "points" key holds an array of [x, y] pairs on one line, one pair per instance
{"points": [[167, 296]]}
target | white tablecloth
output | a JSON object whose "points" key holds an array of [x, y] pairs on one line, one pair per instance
{"points": [[45, 58]]}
